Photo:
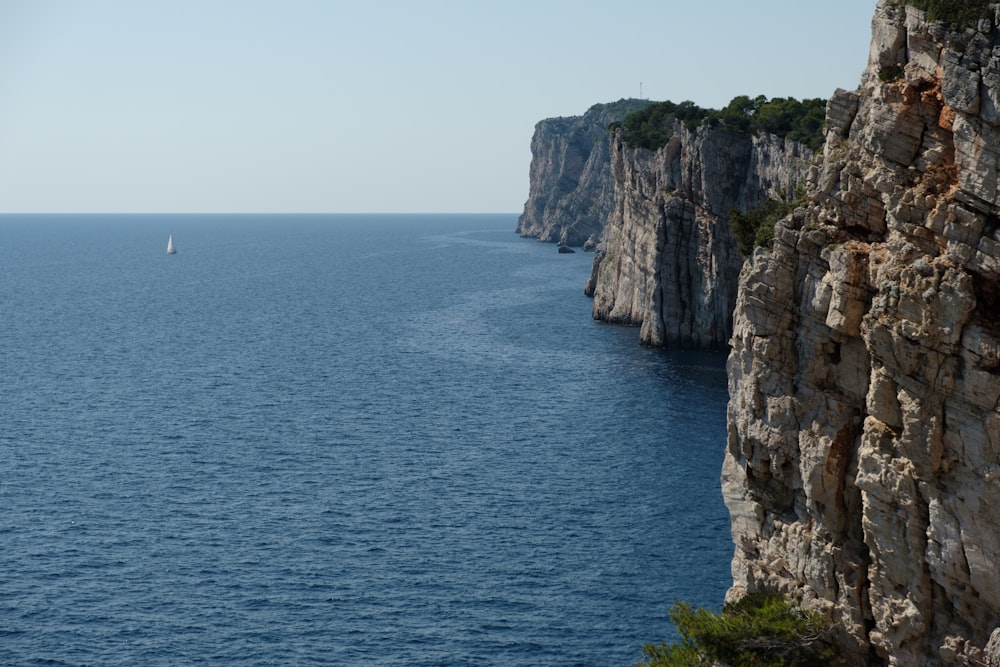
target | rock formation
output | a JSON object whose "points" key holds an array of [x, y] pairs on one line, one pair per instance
{"points": [[570, 190], [862, 469], [668, 261]]}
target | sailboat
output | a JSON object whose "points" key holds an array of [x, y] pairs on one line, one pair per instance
{"points": [[170, 245]]}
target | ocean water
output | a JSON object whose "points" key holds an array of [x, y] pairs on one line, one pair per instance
{"points": [[339, 440]]}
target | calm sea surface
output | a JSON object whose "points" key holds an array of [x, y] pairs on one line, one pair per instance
{"points": [[339, 440]]}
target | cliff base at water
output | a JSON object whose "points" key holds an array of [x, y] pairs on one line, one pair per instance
{"points": [[668, 261]]}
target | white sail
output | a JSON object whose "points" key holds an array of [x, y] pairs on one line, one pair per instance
{"points": [[170, 245]]}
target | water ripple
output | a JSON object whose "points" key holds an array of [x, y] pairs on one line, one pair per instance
{"points": [[335, 440]]}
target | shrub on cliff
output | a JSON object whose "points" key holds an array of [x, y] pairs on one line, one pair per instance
{"points": [[762, 629], [652, 127], [800, 121], [957, 13], [756, 228]]}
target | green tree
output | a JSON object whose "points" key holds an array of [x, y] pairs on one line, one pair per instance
{"points": [[803, 121], [755, 228], [957, 13], [652, 126], [762, 630], [738, 112]]}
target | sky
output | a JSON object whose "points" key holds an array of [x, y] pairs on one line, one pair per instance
{"points": [[381, 106]]}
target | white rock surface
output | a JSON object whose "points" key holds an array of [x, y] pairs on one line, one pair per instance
{"points": [[668, 261], [863, 459]]}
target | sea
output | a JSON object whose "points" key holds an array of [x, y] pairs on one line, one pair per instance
{"points": [[340, 440]]}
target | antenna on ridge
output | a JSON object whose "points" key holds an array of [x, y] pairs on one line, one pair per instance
{"points": [[640, 90]]}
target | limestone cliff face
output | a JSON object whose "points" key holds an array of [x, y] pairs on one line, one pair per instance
{"points": [[862, 470], [668, 261], [570, 191]]}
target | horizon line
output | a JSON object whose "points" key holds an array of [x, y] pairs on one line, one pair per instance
{"points": [[8, 213]]}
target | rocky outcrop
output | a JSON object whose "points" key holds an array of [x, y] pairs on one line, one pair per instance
{"points": [[668, 261], [991, 655], [570, 191], [862, 469]]}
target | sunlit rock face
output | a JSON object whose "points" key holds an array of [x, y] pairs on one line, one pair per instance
{"points": [[668, 262], [570, 193], [862, 470]]}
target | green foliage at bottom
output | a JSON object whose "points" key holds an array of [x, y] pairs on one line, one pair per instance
{"points": [[761, 630]]}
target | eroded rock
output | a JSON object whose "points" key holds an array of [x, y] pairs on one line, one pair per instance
{"points": [[862, 469], [668, 261]]}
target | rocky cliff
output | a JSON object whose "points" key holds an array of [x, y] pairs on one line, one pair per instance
{"points": [[862, 470], [570, 190], [668, 260]]}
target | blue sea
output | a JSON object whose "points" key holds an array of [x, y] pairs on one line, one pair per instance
{"points": [[339, 440]]}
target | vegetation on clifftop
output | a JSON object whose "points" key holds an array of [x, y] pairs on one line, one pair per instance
{"points": [[652, 127], [762, 629], [958, 13], [800, 121]]}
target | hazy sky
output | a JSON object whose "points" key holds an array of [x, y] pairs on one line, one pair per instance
{"points": [[364, 106]]}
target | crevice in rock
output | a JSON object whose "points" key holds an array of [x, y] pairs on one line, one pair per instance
{"points": [[991, 225], [984, 315]]}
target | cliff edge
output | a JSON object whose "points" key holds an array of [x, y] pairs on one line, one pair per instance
{"points": [[570, 192], [862, 469]]}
